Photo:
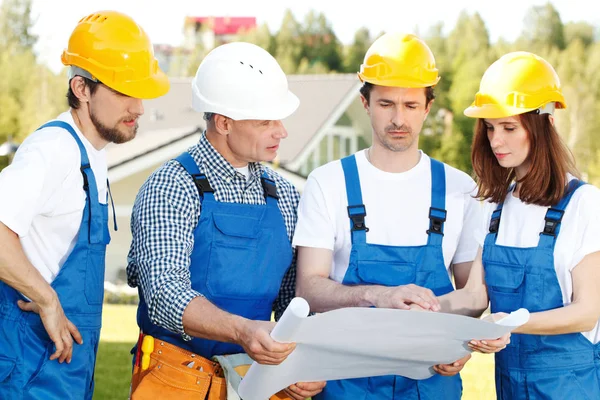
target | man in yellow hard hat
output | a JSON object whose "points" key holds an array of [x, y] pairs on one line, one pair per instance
{"points": [[54, 213], [387, 226]]}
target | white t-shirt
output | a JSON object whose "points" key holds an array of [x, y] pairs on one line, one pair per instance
{"points": [[244, 171], [521, 224], [42, 194], [397, 211]]}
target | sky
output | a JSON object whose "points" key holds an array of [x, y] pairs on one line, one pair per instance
{"points": [[163, 20]]}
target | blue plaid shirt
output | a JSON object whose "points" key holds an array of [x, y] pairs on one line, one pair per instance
{"points": [[163, 220]]}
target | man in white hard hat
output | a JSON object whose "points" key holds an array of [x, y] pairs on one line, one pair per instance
{"points": [[211, 251]]}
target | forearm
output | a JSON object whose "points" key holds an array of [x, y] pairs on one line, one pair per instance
{"points": [[576, 317], [202, 319], [324, 294], [466, 301], [17, 271], [472, 298]]}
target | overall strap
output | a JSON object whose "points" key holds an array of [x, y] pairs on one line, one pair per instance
{"points": [[554, 216], [112, 203], [269, 188], [95, 226], [495, 220], [437, 211], [356, 209], [205, 191], [492, 235]]}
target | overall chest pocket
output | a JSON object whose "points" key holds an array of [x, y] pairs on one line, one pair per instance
{"points": [[236, 231], [386, 273], [237, 268], [505, 285], [504, 278]]}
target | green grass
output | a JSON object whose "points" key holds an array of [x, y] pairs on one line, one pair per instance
{"points": [[113, 371], [119, 333], [113, 366]]}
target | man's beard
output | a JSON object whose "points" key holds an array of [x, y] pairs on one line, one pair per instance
{"points": [[112, 135]]}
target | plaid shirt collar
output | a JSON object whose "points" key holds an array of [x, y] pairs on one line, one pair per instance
{"points": [[216, 167]]}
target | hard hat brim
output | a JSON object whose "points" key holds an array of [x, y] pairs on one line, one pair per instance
{"points": [[397, 82], [150, 88], [271, 112], [287, 108], [499, 111], [494, 111]]}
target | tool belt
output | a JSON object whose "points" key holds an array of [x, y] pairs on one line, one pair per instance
{"points": [[165, 371]]}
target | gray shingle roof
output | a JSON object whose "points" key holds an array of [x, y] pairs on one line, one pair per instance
{"points": [[171, 117]]}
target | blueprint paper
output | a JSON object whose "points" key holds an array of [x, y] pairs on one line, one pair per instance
{"points": [[362, 342]]}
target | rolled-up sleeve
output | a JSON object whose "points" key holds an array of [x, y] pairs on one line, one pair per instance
{"points": [[163, 220]]}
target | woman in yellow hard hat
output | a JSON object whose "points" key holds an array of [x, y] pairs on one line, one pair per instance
{"points": [[541, 240], [54, 213]]}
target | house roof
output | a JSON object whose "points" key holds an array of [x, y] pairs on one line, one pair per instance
{"points": [[165, 120], [170, 118], [320, 98]]}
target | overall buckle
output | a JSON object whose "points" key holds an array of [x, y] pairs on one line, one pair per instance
{"points": [[550, 223], [269, 188], [357, 216], [437, 217], [202, 184]]}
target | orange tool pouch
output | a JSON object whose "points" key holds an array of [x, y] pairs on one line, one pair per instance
{"points": [[169, 377], [170, 374]]}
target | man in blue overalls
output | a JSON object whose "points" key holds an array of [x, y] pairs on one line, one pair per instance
{"points": [[387, 226], [211, 251], [54, 213]]}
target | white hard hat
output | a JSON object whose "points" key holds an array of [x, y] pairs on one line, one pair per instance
{"points": [[242, 81]]}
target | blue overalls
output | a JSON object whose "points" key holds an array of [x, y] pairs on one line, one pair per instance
{"points": [[25, 369], [395, 266], [537, 366], [241, 253]]}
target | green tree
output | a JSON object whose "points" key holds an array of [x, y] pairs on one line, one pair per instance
{"points": [[288, 43], [439, 121], [438, 44], [469, 38], [543, 28], [579, 30], [16, 26], [355, 53], [29, 92], [306, 67], [468, 44], [579, 70], [319, 43], [194, 59], [260, 36]]}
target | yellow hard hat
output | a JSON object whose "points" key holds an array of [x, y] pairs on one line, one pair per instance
{"points": [[400, 60], [117, 52], [516, 83]]}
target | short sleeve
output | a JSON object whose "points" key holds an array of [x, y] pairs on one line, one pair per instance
{"points": [[315, 227], [35, 173], [468, 243], [588, 240]]}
